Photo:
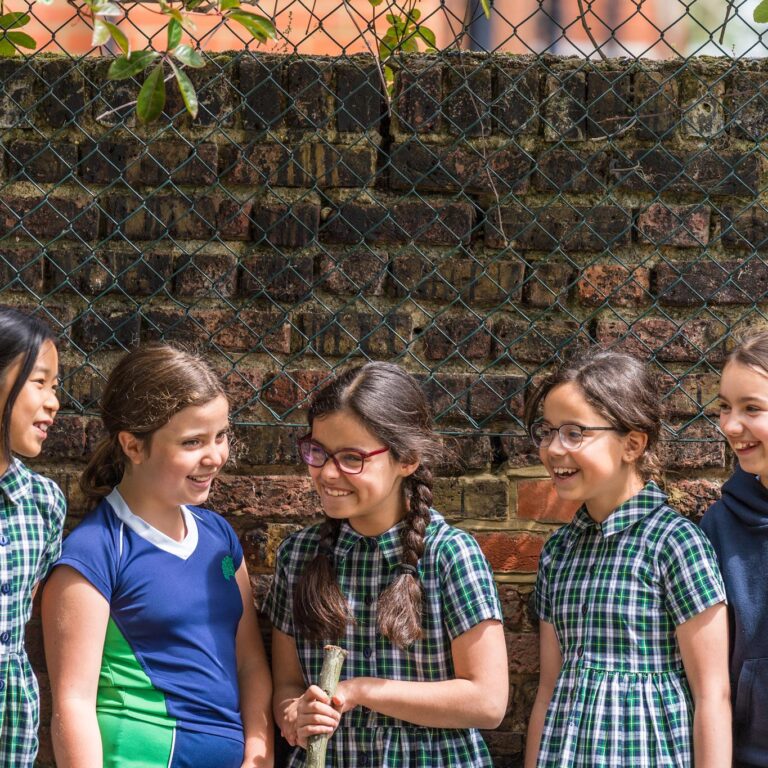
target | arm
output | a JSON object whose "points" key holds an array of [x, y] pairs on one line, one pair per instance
{"points": [[475, 698], [550, 662], [75, 616], [703, 644], [254, 681]]}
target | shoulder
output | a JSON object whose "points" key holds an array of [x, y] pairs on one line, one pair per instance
{"points": [[451, 544], [99, 527], [213, 520], [675, 533], [48, 496], [300, 544]]}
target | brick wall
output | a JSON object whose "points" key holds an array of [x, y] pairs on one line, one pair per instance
{"points": [[507, 208]]}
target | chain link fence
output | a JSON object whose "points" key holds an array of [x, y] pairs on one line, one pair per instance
{"points": [[475, 217]]}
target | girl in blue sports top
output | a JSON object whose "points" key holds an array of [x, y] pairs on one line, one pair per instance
{"points": [[153, 648], [411, 598], [32, 512], [630, 600]]}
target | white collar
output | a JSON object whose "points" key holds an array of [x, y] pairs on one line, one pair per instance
{"points": [[182, 549]]}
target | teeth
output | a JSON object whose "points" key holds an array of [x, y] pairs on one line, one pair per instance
{"points": [[563, 471], [200, 479], [742, 446], [42, 427], [333, 492]]}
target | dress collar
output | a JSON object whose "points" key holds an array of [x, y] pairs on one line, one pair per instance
{"points": [[16, 481], [647, 500]]}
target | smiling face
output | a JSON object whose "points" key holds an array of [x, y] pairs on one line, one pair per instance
{"points": [[602, 472], [36, 404], [177, 464], [744, 416], [373, 500]]}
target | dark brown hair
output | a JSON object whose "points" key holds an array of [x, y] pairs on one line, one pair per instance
{"points": [[619, 387], [21, 337], [751, 351], [390, 404], [145, 389]]}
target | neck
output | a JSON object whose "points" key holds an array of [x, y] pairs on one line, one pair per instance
{"points": [[166, 519], [601, 508]]}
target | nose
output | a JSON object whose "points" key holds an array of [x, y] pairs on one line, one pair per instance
{"points": [[216, 455], [52, 402], [730, 424], [329, 469], [555, 447]]}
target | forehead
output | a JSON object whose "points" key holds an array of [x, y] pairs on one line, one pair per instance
{"points": [[739, 380], [212, 415], [47, 357], [566, 404], [343, 429]]}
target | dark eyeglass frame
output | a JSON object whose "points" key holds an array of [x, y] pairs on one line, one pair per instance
{"points": [[307, 440], [539, 441]]}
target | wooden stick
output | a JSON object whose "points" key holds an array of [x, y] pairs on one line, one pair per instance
{"points": [[333, 661]]}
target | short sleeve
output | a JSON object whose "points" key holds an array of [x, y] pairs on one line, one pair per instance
{"points": [[541, 600], [279, 604], [689, 572], [468, 590], [55, 512], [91, 550]]}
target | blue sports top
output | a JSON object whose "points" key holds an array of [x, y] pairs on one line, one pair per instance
{"points": [[169, 653]]}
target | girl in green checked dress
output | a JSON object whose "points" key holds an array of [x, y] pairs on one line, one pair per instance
{"points": [[633, 625], [32, 511], [411, 598]]}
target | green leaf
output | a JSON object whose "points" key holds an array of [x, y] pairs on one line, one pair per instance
{"points": [[186, 89], [7, 48], [186, 54], [174, 34], [22, 40], [409, 45], [414, 15], [151, 96], [13, 20], [391, 18], [174, 13], [427, 35], [260, 27], [375, 3], [389, 79], [486, 8], [226, 5], [124, 67], [385, 50], [104, 8], [119, 37], [761, 12], [100, 33]]}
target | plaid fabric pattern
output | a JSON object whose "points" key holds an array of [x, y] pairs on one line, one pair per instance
{"points": [[459, 593], [32, 510], [615, 593]]}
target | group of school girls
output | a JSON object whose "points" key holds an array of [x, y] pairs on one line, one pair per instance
{"points": [[653, 631]]}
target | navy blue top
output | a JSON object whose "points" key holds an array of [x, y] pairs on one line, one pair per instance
{"points": [[737, 526]]}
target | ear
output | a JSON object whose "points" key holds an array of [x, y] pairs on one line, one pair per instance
{"points": [[406, 470], [634, 446], [133, 447]]}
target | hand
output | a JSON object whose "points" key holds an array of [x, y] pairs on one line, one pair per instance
{"points": [[315, 715], [345, 697]]}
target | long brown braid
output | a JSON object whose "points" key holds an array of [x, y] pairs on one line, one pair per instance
{"points": [[390, 404]]}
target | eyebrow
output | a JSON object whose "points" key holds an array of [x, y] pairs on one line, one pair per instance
{"points": [[747, 399]]}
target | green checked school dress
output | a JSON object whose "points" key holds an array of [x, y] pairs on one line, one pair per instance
{"points": [[32, 510], [615, 593], [459, 593]]}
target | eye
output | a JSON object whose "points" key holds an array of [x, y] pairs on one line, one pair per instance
{"points": [[753, 409], [723, 407], [351, 460], [222, 436], [191, 443], [572, 434]]}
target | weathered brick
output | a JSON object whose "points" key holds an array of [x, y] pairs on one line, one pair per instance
{"points": [[666, 339], [465, 452], [543, 342], [175, 326], [746, 106], [538, 500], [104, 162], [468, 98], [21, 268], [516, 552], [263, 88], [152, 218], [566, 170], [656, 102], [447, 394], [696, 446], [44, 161], [692, 497], [206, 274], [281, 277], [614, 285], [485, 499], [108, 101], [548, 283], [447, 278], [721, 282], [516, 96], [690, 395], [286, 390], [245, 330], [309, 94], [269, 445], [472, 169], [17, 94], [215, 94], [515, 607], [66, 438], [234, 219], [555, 227], [180, 162], [711, 171], [494, 397], [418, 97], [359, 98], [242, 385], [354, 332], [563, 109], [279, 497], [59, 91], [293, 225], [97, 328], [49, 217], [457, 337], [356, 270], [431, 223], [517, 450], [745, 227], [685, 226], [609, 101], [702, 106], [523, 652]]}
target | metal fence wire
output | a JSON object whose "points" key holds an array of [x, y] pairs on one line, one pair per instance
{"points": [[477, 218]]}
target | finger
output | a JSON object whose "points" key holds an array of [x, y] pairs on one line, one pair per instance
{"points": [[316, 693]]}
